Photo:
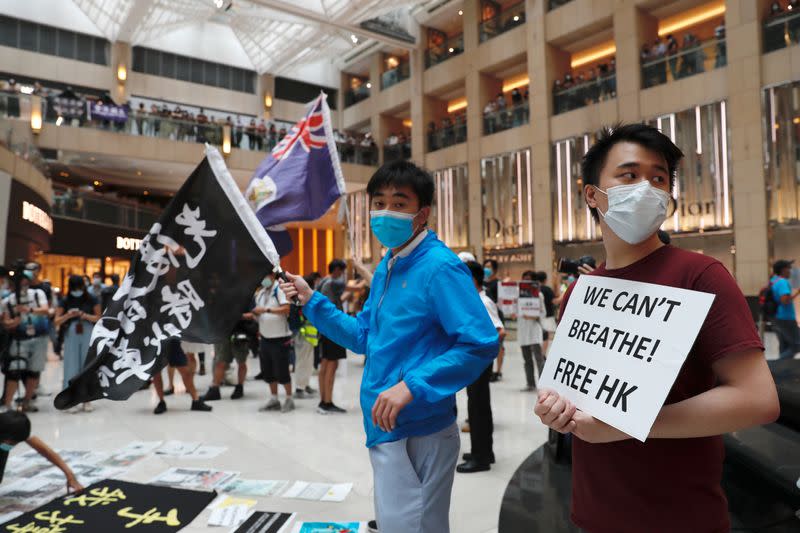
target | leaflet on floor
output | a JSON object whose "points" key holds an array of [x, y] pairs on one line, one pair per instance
{"points": [[266, 522], [256, 487], [330, 527], [194, 478], [228, 511], [177, 448], [205, 452]]}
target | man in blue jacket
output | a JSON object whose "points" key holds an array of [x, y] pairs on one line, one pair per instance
{"points": [[426, 335]]}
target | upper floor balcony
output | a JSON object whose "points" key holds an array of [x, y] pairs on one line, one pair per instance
{"points": [[666, 61], [442, 48], [102, 209], [781, 30], [451, 131], [553, 4], [497, 19]]}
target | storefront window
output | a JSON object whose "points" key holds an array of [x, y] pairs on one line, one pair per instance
{"points": [[450, 214], [782, 116], [507, 200], [702, 189], [358, 222], [57, 268]]}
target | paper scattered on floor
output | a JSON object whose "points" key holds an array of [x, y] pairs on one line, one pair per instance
{"points": [[204, 452], [326, 492], [330, 527], [177, 448], [229, 511], [256, 487], [266, 522], [194, 478], [140, 447]]}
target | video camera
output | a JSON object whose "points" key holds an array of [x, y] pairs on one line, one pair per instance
{"points": [[570, 266]]}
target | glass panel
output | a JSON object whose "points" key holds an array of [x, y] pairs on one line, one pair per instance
{"points": [[450, 213], [8, 32], [449, 48], [511, 117], [582, 94], [138, 59], [152, 60], [210, 74], [48, 40], [100, 51], [782, 124], [168, 65], [507, 200], [395, 75], [451, 131], [781, 30], [508, 19], [238, 79], [223, 76], [184, 68], [196, 71], [693, 58], [85, 48], [28, 36], [66, 44], [250, 82]]}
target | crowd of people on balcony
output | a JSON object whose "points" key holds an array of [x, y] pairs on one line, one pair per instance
{"points": [[498, 115], [452, 130], [782, 25], [356, 148], [590, 87], [397, 146], [680, 60]]}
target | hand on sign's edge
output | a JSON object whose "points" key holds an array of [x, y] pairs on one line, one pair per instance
{"points": [[296, 288], [554, 411], [389, 404], [592, 430], [585, 269]]}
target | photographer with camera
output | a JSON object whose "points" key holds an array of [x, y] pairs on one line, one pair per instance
{"points": [[77, 313], [25, 314]]}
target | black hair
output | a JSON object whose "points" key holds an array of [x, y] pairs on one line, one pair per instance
{"points": [[403, 174], [476, 270], [494, 264], [312, 278], [14, 426], [336, 263], [115, 279], [541, 276], [641, 134], [531, 274]]}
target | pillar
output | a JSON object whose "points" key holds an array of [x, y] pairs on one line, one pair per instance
{"points": [[474, 93], [265, 86], [632, 28], [121, 58]]}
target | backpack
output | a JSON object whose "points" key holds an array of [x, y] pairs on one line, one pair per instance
{"points": [[766, 300]]}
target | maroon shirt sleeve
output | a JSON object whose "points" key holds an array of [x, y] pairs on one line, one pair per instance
{"points": [[729, 327]]}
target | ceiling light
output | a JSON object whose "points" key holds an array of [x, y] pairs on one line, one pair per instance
{"points": [[460, 12], [369, 85], [26, 89], [354, 38], [138, 172], [146, 193], [451, 50], [691, 18], [593, 54], [516, 18], [97, 183], [63, 174], [59, 120]]}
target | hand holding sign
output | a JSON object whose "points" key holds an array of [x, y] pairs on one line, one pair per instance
{"points": [[618, 350]]}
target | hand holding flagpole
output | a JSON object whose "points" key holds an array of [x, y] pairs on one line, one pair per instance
{"points": [[296, 288]]}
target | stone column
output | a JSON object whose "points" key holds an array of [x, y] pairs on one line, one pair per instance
{"points": [[419, 109], [121, 58], [474, 93], [632, 28]]}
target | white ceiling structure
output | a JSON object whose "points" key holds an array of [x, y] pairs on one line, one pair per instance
{"points": [[275, 35]]}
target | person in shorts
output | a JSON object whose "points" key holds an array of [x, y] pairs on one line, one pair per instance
{"points": [[272, 310], [331, 353], [176, 358], [26, 315], [234, 347]]}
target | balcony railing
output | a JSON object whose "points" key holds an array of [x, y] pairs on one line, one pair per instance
{"points": [[448, 135], [782, 32], [702, 57], [587, 93], [354, 96], [505, 119], [507, 20], [450, 48], [357, 153], [396, 152], [552, 4], [396, 75], [80, 205]]}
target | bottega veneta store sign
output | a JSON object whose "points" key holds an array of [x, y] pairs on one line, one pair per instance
{"points": [[37, 216]]}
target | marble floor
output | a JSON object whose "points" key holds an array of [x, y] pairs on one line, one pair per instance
{"points": [[301, 445]]}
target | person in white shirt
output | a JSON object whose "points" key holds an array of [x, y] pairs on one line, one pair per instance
{"points": [[25, 316], [479, 400], [272, 311], [530, 334]]}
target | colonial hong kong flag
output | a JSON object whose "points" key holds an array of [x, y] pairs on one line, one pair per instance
{"points": [[302, 178]]}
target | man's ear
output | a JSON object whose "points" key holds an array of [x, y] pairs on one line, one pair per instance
{"points": [[424, 214], [589, 192]]}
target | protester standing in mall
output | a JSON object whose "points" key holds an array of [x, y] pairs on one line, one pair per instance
{"points": [[479, 399], [671, 482], [77, 312], [785, 321], [26, 314], [332, 287], [305, 340], [492, 283], [530, 336], [548, 323], [96, 288], [272, 310], [426, 335], [176, 358], [235, 346]]}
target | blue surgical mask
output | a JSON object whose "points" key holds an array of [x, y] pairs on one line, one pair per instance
{"points": [[487, 272], [4, 446], [266, 283], [391, 228], [76, 294]]}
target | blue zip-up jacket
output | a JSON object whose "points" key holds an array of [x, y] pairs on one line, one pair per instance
{"points": [[423, 323]]}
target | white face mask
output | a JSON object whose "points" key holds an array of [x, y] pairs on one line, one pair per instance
{"points": [[635, 212]]}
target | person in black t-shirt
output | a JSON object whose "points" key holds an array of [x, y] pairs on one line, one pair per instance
{"points": [[549, 321]]}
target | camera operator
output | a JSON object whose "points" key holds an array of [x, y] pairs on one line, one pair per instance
{"points": [[26, 315]]}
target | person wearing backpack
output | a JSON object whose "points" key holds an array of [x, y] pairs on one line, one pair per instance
{"points": [[785, 321], [306, 338]]}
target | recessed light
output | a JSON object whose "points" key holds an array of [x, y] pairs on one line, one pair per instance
{"points": [[460, 13], [97, 183], [138, 172], [146, 193], [451, 49], [369, 85], [63, 174]]}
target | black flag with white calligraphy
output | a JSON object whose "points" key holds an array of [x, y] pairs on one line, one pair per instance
{"points": [[193, 276]]}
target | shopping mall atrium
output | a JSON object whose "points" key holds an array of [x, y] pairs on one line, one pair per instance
{"points": [[143, 243]]}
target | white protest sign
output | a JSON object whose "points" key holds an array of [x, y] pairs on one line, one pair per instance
{"points": [[507, 296], [529, 305], [619, 348]]}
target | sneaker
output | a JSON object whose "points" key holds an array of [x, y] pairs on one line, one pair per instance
{"points": [[88, 407], [238, 392], [310, 391], [29, 407], [198, 405], [300, 394], [169, 392], [273, 405], [212, 394], [323, 409], [160, 408], [288, 405], [372, 526], [335, 409]]}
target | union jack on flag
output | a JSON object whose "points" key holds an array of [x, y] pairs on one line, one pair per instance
{"points": [[292, 184]]}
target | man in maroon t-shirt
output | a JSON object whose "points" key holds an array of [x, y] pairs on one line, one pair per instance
{"points": [[671, 482]]}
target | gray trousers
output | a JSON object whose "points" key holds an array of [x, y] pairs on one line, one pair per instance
{"points": [[528, 353], [413, 482]]}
